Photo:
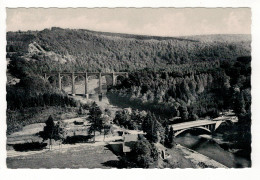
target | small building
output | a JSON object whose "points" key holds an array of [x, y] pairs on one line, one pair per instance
{"points": [[129, 141]]}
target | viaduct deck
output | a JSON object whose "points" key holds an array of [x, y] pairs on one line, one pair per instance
{"points": [[74, 75]]}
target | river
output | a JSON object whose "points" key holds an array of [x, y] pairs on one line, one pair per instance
{"points": [[210, 145]]}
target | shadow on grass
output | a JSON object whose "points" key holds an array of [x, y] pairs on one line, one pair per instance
{"points": [[114, 164], [117, 153], [32, 146], [78, 139], [124, 161]]}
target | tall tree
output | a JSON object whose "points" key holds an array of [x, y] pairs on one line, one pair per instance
{"points": [[95, 119], [106, 124], [153, 129], [61, 133], [166, 134], [184, 113], [171, 138], [50, 131]]}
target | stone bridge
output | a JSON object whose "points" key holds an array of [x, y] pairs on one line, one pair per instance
{"points": [[207, 125], [85, 75]]}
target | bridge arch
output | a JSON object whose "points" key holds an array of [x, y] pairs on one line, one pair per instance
{"points": [[218, 124], [188, 129], [52, 79], [74, 76], [80, 81], [119, 77]]}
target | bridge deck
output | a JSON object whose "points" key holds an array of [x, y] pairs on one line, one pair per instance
{"points": [[191, 124], [83, 73], [232, 118]]}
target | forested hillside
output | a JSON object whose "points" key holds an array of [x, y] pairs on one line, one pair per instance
{"points": [[189, 77], [66, 49], [194, 93]]}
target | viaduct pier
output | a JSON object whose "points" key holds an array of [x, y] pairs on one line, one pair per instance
{"points": [[85, 75]]}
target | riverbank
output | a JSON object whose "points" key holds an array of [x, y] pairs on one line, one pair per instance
{"points": [[211, 146], [199, 160]]}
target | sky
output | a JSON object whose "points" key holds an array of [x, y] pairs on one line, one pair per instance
{"points": [[144, 21]]}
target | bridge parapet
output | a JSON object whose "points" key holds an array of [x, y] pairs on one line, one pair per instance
{"points": [[192, 124]]}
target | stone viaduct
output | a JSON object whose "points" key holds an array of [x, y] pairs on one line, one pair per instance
{"points": [[85, 75]]}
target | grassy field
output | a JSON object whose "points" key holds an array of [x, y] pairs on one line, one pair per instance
{"points": [[18, 119], [88, 156], [79, 157]]}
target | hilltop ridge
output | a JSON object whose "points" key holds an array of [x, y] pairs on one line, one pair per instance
{"points": [[91, 50]]}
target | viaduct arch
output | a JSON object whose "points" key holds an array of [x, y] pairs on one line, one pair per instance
{"points": [[85, 75]]}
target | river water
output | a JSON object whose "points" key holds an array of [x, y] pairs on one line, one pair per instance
{"points": [[210, 145]]}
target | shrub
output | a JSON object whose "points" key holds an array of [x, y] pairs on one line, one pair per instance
{"points": [[144, 153]]}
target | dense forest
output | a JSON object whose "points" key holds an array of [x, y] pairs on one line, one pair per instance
{"points": [[219, 86], [81, 50], [186, 77]]}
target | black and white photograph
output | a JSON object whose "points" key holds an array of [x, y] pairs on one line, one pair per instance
{"points": [[128, 88]]}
